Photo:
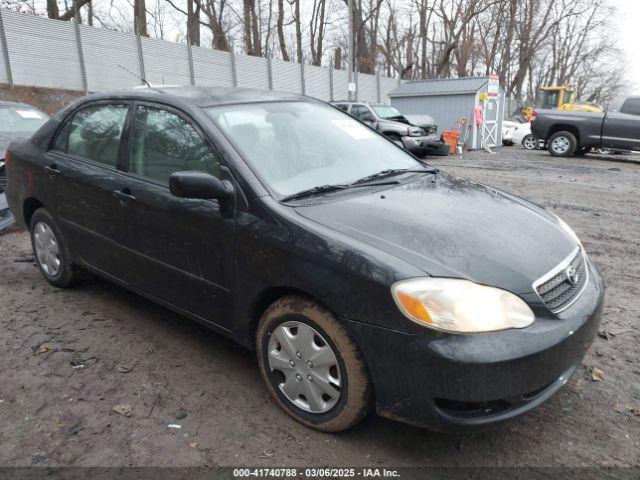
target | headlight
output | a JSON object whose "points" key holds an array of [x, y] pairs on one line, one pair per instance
{"points": [[460, 306], [415, 132]]}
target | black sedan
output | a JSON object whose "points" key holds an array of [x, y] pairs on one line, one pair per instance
{"points": [[363, 278]]}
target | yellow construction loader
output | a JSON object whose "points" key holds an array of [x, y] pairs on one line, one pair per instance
{"points": [[559, 98]]}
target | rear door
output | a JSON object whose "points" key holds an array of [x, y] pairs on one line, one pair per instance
{"points": [[621, 128], [185, 247], [83, 168]]}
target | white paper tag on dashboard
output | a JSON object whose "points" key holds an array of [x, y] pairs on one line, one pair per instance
{"points": [[353, 128], [29, 114]]}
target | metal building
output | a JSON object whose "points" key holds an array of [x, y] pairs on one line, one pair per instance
{"points": [[448, 100]]}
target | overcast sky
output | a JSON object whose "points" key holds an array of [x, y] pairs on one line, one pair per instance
{"points": [[629, 16]]}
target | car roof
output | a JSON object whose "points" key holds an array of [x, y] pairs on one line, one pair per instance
{"points": [[7, 103], [200, 96]]}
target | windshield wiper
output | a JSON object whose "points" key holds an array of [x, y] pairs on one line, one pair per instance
{"points": [[314, 191], [392, 171], [333, 188]]}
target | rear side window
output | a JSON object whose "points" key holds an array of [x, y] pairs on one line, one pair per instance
{"points": [[360, 111], [342, 106], [163, 143], [631, 106], [94, 133]]}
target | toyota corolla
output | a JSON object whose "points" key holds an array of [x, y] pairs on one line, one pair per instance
{"points": [[363, 278]]}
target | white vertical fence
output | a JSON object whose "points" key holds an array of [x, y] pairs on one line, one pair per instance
{"points": [[41, 52]]}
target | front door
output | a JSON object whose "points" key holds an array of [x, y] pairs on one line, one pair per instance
{"points": [[185, 246], [83, 169], [622, 128]]}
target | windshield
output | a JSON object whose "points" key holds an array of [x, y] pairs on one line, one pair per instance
{"points": [[384, 111], [20, 119], [295, 146]]}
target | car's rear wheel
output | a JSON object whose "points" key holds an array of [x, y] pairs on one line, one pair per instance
{"points": [[530, 142], [311, 366], [50, 251], [562, 144]]}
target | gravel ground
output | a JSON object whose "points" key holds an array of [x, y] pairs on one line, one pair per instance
{"points": [[71, 358]]}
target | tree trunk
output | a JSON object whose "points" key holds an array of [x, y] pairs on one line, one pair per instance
{"points": [[140, 18], [193, 22], [52, 9], [280, 29]]}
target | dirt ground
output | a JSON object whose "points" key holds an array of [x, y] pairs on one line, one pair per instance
{"points": [[68, 357]]}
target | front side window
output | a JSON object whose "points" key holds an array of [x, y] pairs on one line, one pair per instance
{"points": [[631, 106], [94, 133], [163, 143], [294, 146]]}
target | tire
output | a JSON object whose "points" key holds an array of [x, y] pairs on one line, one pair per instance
{"points": [[582, 151], [294, 319], [51, 251], [530, 142], [562, 144]]}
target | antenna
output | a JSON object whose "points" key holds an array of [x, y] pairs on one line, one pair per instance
{"points": [[143, 80]]}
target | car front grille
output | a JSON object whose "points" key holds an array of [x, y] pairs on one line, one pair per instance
{"points": [[562, 286]]}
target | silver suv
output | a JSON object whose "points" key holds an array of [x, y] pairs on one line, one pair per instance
{"points": [[419, 137]]}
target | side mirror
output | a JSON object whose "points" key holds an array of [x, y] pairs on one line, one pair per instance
{"points": [[198, 185]]}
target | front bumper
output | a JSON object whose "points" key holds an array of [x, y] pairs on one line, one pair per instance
{"points": [[453, 382], [428, 144]]}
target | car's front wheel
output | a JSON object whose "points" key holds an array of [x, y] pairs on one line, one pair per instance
{"points": [[51, 254], [311, 366], [562, 144]]}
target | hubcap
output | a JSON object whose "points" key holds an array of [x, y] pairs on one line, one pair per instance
{"points": [[46, 247], [310, 374], [529, 143], [560, 144]]}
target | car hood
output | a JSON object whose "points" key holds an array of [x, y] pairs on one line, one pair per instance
{"points": [[423, 121], [451, 227]]}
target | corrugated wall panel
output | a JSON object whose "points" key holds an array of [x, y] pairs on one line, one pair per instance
{"points": [[111, 59], [165, 63], [286, 76], [340, 85], [252, 72], [3, 70], [212, 67], [43, 52], [367, 88], [316, 81]]}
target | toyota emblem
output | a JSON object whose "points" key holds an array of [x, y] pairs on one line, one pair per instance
{"points": [[572, 275]]}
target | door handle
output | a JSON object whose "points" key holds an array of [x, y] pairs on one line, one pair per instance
{"points": [[52, 170], [124, 196]]}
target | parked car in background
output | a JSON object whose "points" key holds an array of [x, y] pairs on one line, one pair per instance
{"points": [[577, 133], [418, 139], [519, 133], [17, 122], [364, 278], [508, 128]]}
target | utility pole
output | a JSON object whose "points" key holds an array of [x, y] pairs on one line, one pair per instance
{"points": [[351, 86]]}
